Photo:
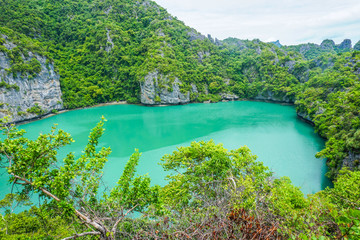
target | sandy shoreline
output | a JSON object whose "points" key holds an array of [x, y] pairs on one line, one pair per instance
{"points": [[50, 114]]}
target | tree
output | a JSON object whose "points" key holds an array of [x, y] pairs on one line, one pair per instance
{"points": [[196, 168], [73, 186], [206, 187]]}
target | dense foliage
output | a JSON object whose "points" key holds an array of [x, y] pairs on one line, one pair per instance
{"points": [[104, 49], [212, 193], [331, 100]]}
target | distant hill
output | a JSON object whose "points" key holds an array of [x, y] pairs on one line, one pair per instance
{"points": [[277, 43], [311, 50]]}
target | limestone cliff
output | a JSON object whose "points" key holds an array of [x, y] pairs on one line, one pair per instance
{"points": [[328, 44], [270, 96], [346, 44], [357, 46], [157, 89], [305, 117], [26, 96]]}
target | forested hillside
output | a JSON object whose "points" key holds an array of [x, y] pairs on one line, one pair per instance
{"points": [[102, 49]]}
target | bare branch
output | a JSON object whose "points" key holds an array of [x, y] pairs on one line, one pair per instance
{"points": [[113, 230], [79, 214], [233, 181], [81, 235]]}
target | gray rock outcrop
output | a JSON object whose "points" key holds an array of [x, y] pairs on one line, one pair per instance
{"points": [[353, 63], [290, 65], [218, 42], [107, 11], [305, 117], [277, 43], [194, 88], [304, 49], [32, 96], [110, 44], [324, 65], [168, 93], [210, 38], [202, 55], [357, 46], [270, 96], [346, 44], [327, 44], [351, 161], [194, 35], [229, 96]]}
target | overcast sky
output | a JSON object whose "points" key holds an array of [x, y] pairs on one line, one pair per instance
{"points": [[290, 21]]}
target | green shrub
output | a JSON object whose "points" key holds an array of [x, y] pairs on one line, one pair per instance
{"points": [[9, 86], [21, 113], [36, 110], [157, 99]]}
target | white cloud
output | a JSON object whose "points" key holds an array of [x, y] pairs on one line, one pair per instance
{"points": [[290, 21]]}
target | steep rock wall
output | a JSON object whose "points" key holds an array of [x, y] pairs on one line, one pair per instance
{"points": [[30, 96], [305, 117], [157, 89], [270, 96]]}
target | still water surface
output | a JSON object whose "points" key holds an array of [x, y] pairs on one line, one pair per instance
{"points": [[272, 132]]}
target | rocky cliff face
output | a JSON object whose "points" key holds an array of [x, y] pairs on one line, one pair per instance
{"points": [[305, 117], [357, 46], [277, 43], [194, 35], [328, 44], [270, 96], [23, 97], [158, 89], [351, 161], [346, 44]]}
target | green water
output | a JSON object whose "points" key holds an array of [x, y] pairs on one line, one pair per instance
{"points": [[272, 132]]}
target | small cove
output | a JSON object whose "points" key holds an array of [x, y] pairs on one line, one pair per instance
{"points": [[272, 131]]}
